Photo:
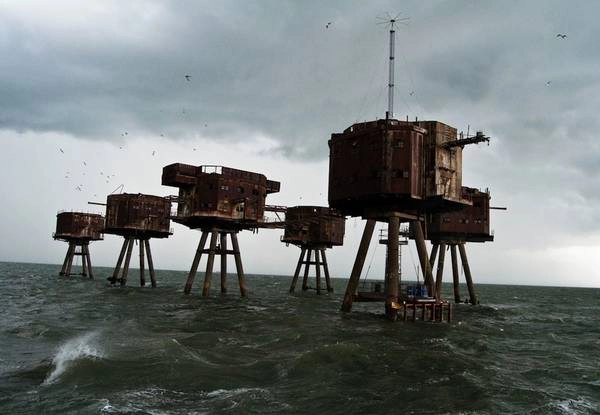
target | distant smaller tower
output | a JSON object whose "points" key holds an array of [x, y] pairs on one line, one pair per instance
{"points": [[78, 229], [449, 230], [313, 229], [137, 218]]}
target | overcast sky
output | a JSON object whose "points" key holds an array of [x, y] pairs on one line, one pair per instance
{"points": [[104, 81]]}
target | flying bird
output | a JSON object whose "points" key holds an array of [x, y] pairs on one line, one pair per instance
{"points": [[548, 83], [61, 150], [328, 24], [188, 77], [153, 152], [561, 35], [411, 93], [84, 163]]}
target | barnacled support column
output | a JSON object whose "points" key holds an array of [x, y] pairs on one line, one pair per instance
{"points": [[318, 271], [63, 270], [70, 261], [358, 265]]}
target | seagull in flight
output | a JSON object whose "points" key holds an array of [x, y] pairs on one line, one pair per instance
{"points": [[328, 24], [548, 83], [411, 93], [561, 35], [188, 77], [61, 150], [154, 152]]}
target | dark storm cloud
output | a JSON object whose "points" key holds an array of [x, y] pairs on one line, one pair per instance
{"points": [[272, 68]]}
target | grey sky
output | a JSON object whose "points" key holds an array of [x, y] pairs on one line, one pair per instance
{"points": [[270, 83]]}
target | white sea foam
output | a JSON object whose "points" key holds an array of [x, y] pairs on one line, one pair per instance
{"points": [[81, 347]]}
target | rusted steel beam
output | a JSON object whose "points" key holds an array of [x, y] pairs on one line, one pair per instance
{"points": [[455, 282], [318, 271], [223, 254], [297, 271], [70, 261], [479, 137], [440, 271], [209, 263], [127, 260], [306, 270], [83, 262], [150, 263], [89, 261], [432, 257], [423, 257], [465, 262], [326, 270], [63, 270], [238, 265], [115, 275], [195, 262], [391, 277], [142, 276], [358, 265]]}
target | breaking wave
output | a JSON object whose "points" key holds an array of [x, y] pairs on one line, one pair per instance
{"points": [[81, 347]]}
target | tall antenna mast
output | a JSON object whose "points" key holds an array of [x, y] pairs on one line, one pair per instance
{"points": [[391, 21]]}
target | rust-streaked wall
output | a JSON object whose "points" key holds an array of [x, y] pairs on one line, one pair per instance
{"points": [[140, 215], [470, 224], [79, 225], [374, 162], [314, 225]]}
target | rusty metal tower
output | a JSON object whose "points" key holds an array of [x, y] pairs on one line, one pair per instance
{"points": [[78, 229], [221, 202], [137, 218], [313, 229], [395, 171]]}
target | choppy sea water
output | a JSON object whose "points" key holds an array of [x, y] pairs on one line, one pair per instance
{"points": [[71, 345]]}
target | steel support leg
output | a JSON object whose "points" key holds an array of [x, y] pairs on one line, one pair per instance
{"points": [[63, 270], [359, 262], [326, 270], [195, 262], [150, 264], [223, 263], [455, 281], [306, 270], [70, 260], [298, 268], [115, 275], [432, 257], [391, 286], [127, 260], [318, 271], [238, 265], [440, 272], [89, 262], [142, 265], [210, 263], [83, 261], [423, 257], [465, 262]]}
